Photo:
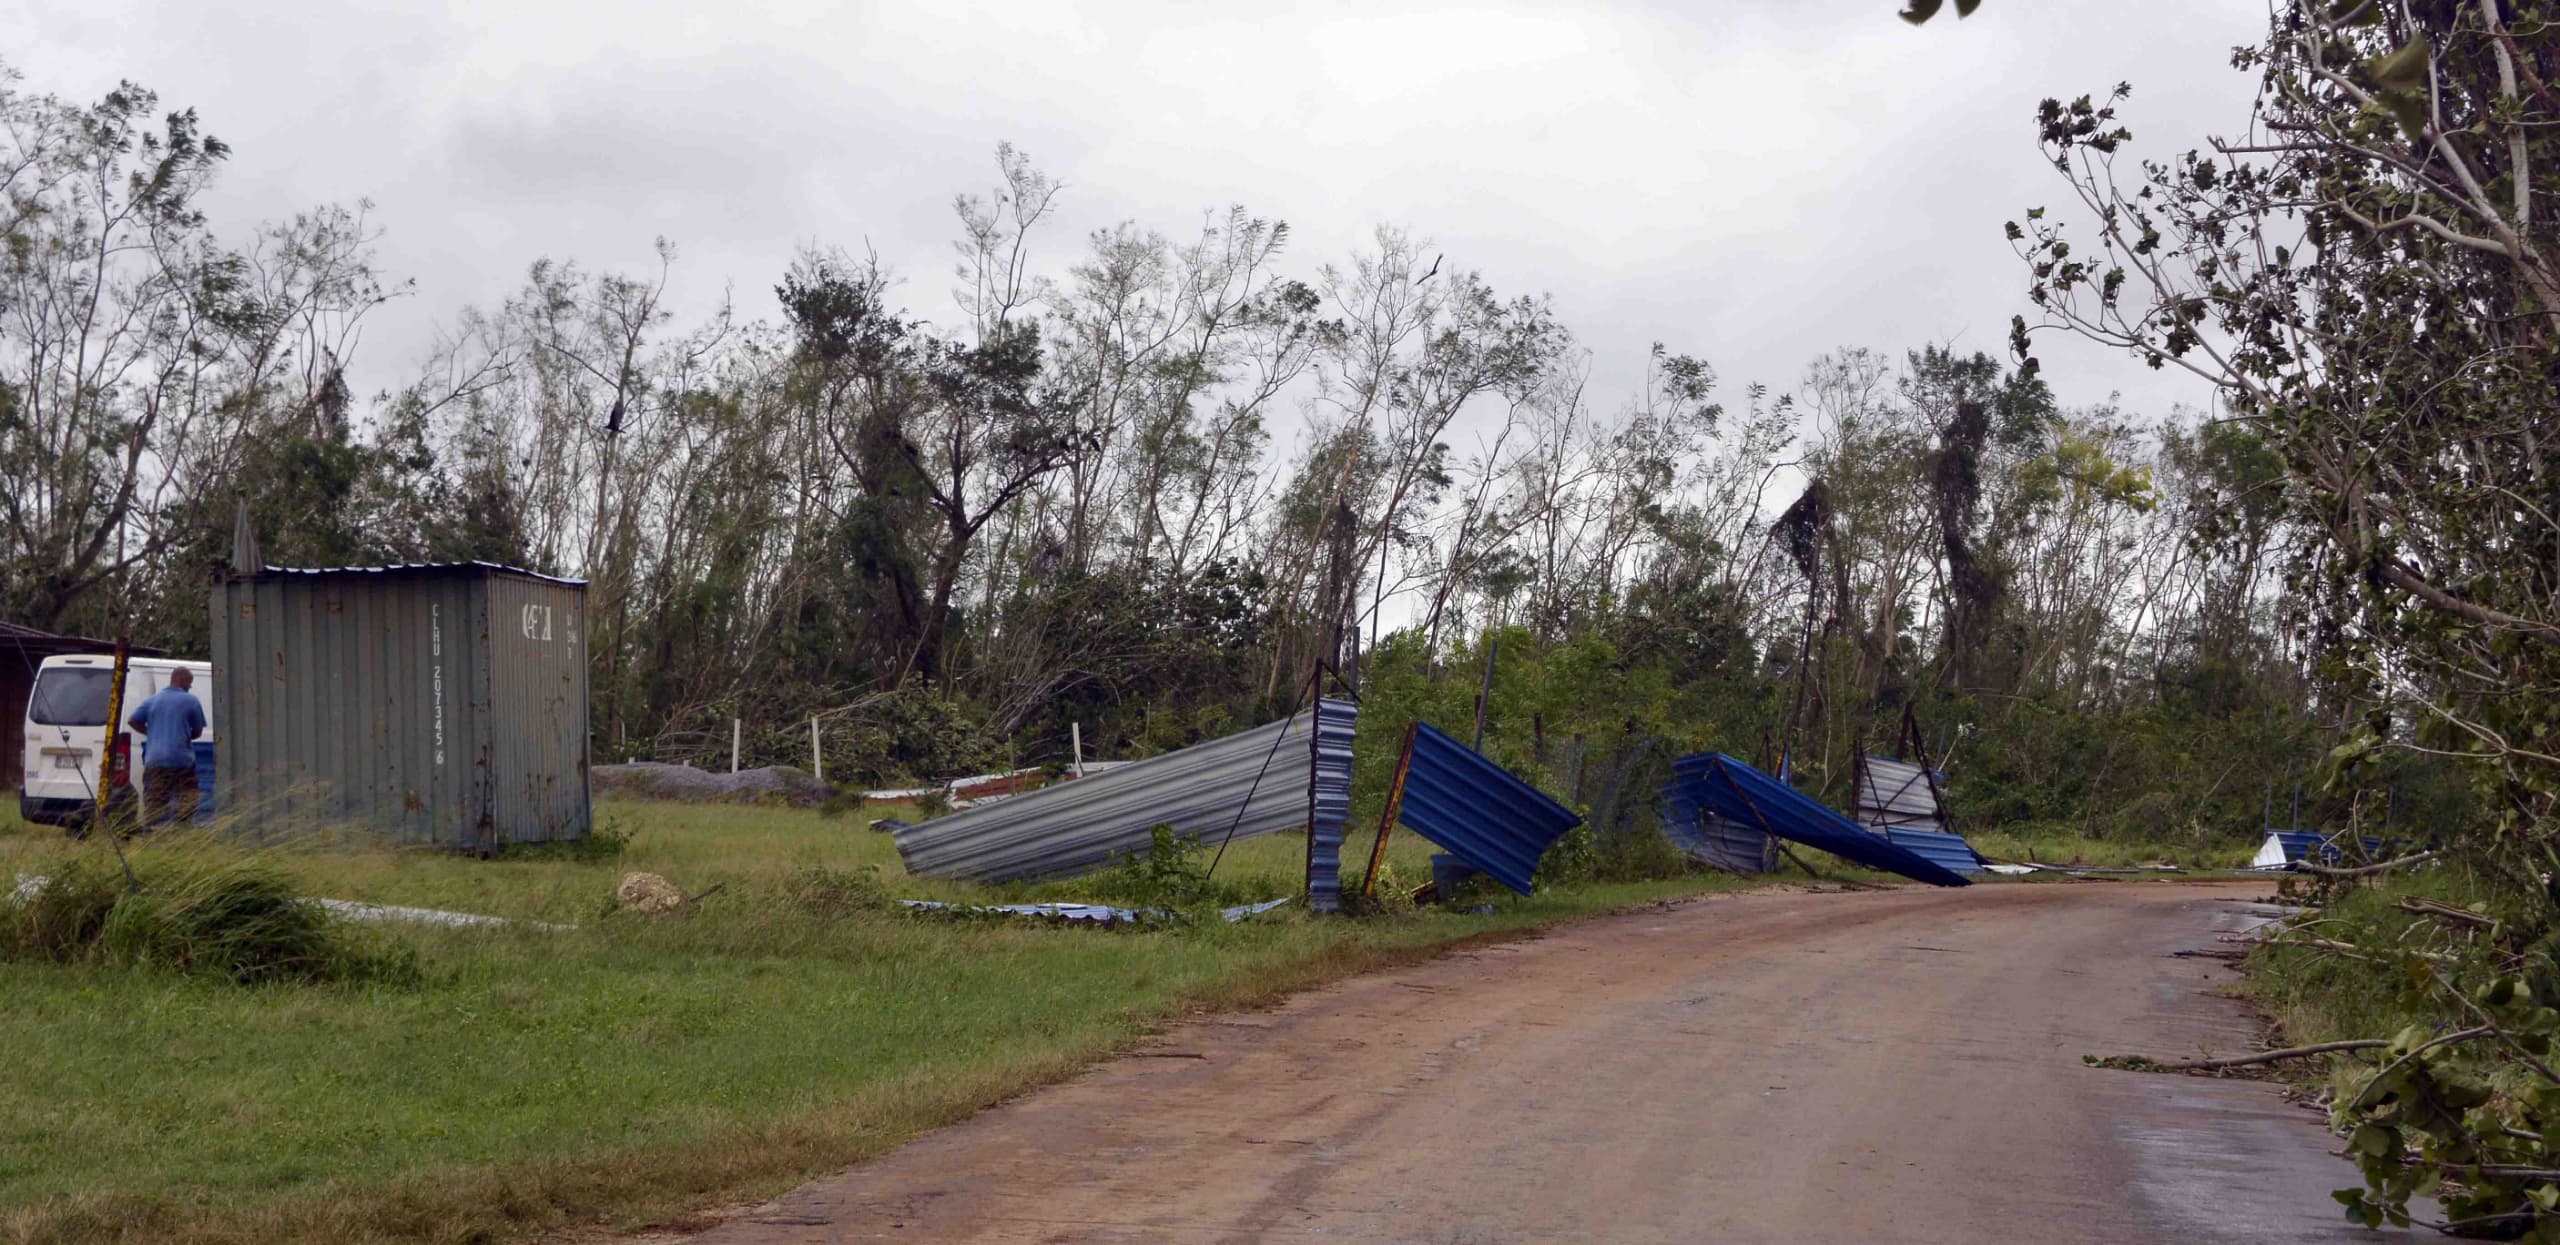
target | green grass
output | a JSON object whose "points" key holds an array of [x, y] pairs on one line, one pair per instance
{"points": [[623, 1072], [2066, 845], [2316, 995]]}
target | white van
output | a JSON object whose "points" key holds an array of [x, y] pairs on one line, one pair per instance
{"points": [[67, 738]]}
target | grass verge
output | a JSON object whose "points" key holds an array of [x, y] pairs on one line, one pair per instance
{"points": [[2066, 845], [2321, 994], [619, 1073]]}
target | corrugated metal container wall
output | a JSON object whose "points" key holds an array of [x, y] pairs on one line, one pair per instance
{"points": [[538, 663], [386, 698]]}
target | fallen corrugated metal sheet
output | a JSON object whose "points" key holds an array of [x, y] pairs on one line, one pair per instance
{"points": [[1086, 913], [2286, 848], [1723, 843], [1898, 794], [1253, 782], [1714, 841], [353, 911], [2282, 848], [1336, 722], [987, 787], [29, 886], [1947, 851], [1456, 798], [1728, 787]]}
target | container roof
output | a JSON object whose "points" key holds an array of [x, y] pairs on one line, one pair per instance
{"points": [[421, 568]]}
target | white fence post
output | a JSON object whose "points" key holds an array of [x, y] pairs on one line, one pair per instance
{"points": [[733, 745], [817, 759], [1075, 731]]}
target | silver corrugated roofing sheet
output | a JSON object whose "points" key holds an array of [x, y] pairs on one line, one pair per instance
{"points": [[1330, 802], [1721, 843], [1898, 794], [1711, 840], [1089, 913], [1253, 782]]}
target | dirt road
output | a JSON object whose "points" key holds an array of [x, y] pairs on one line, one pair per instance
{"points": [[1899, 1066]]}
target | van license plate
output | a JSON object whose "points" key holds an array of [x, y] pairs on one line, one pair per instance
{"points": [[66, 760]]}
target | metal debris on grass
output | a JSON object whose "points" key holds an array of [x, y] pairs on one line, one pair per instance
{"points": [[1084, 913], [1727, 786], [1267, 779]]}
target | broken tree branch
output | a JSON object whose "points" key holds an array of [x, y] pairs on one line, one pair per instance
{"points": [[2147, 1063], [2366, 870], [2428, 907], [2355, 949], [2460, 1035]]}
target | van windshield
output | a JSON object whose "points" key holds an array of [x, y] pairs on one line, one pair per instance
{"points": [[71, 696]]}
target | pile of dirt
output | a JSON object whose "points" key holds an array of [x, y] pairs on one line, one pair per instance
{"points": [[653, 780]]}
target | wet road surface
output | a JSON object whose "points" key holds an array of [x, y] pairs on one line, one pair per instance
{"points": [[1894, 1066]]}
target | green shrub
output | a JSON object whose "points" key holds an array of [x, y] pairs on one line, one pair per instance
{"points": [[1474, 891], [63, 917], [1393, 896], [1171, 873], [1641, 854], [1572, 860], [206, 915]]}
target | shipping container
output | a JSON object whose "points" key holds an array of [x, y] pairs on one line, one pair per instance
{"points": [[438, 705]]}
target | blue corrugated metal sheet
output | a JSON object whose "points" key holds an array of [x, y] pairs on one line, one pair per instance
{"points": [[1717, 842], [1335, 723], [1724, 785], [2287, 848], [1456, 798], [1946, 850], [2283, 848]]}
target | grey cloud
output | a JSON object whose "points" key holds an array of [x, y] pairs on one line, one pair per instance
{"points": [[1753, 183]]}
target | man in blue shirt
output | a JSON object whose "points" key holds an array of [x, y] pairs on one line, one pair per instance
{"points": [[169, 721]]}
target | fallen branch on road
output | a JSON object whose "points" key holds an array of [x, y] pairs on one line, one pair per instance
{"points": [[2146, 1063]]}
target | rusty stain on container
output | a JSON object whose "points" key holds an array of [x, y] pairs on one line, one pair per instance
{"points": [[438, 704]]}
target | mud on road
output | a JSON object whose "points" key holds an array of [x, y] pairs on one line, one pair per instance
{"points": [[1895, 1066]]}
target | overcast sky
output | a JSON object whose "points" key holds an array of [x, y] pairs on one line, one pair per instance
{"points": [[1754, 182]]}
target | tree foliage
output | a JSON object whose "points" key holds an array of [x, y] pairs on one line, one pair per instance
{"points": [[2370, 280], [1162, 483]]}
